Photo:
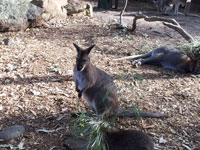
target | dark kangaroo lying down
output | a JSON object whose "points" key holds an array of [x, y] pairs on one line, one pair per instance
{"points": [[116, 140], [128, 140], [167, 57], [98, 88]]}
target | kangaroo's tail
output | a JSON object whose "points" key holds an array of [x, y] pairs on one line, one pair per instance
{"points": [[141, 114], [135, 56]]}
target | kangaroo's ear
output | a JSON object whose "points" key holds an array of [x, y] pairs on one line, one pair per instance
{"points": [[77, 47], [89, 49]]}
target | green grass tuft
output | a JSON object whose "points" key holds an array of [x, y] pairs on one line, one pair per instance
{"points": [[93, 129], [192, 49]]}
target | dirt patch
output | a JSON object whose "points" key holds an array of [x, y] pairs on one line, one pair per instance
{"points": [[37, 90]]}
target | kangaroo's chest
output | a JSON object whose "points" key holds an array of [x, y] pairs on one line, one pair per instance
{"points": [[81, 79]]}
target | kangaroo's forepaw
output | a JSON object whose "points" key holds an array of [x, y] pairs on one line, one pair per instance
{"points": [[79, 94], [137, 63], [77, 90]]}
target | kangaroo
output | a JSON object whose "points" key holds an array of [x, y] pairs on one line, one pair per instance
{"points": [[167, 57], [98, 89], [116, 140], [168, 5], [93, 83], [159, 5], [128, 140]]}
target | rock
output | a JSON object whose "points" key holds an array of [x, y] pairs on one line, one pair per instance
{"points": [[75, 7], [5, 41], [18, 15], [53, 9], [11, 132]]}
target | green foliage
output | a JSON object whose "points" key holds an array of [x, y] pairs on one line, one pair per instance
{"points": [[106, 94], [135, 109], [149, 7], [93, 129], [80, 124], [138, 77], [192, 49], [96, 140], [120, 76]]}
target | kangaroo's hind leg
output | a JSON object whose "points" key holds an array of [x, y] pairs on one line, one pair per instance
{"points": [[187, 7], [138, 61], [155, 59]]}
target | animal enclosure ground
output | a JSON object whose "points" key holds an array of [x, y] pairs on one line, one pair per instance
{"points": [[37, 91]]}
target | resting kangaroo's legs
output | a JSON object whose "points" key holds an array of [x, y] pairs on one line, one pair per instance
{"points": [[153, 59]]}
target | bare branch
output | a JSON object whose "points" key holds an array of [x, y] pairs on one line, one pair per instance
{"points": [[181, 31], [171, 23], [122, 12]]}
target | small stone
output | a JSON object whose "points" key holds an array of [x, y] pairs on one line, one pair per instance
{"points": [[11, 132]]}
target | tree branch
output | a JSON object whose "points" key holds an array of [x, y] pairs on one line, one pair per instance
{"points": [[181, 31], [171, 23], [122, 12]]}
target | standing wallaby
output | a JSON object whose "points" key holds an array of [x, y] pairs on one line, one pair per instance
{"points": [[93, 83], [167, 57], [98, 88]]}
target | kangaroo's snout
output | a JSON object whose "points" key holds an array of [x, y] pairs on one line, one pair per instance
{"points": [[81, 67], [82, 63]]}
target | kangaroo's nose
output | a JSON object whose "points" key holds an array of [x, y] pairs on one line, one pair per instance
{"points": [[79, 68]]}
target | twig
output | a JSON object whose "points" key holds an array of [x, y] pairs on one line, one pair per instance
{"points": [[122, 12]]}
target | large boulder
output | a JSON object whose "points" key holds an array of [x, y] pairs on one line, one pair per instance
{"points": [[18, 15], [53, 9], [76, 7]]}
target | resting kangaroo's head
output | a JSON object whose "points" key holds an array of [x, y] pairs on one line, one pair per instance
{"points": [[196, 65], [82, 58], [193, 63]]}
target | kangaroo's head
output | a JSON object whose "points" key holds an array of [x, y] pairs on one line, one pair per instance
{"points": [[82, 58], [194, 66]]}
